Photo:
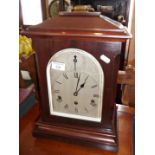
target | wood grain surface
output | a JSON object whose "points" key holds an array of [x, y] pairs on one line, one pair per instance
{"points": [[44, 146]]}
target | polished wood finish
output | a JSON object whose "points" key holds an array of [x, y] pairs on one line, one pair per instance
{"points": [[43, 47], [99, 137], [85, 25], [29, 145], [97, 35]]}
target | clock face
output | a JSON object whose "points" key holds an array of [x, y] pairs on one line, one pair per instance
{"points": [[75, 83]]}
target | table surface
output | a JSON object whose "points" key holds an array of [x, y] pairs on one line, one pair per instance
{"points": [[29, 145]]}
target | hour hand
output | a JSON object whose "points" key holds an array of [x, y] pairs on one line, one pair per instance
{"points": [[85, 80], [81, 86]]}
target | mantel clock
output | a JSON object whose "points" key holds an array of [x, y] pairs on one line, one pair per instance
{"points": [[77, 62]]}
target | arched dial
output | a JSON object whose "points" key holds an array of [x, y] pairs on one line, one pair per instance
{"points": [[75, 85]]}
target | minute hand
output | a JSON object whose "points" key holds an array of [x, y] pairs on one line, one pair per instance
{"points": [[77, 82], [82, 85]]}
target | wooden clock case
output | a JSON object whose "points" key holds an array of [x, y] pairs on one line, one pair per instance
{"points": [[97, 35]]}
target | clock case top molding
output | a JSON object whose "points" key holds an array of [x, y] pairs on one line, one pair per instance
{"points": [[97, 35]]}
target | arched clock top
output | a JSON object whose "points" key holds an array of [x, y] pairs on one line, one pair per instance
{"points": [[75, 82]]}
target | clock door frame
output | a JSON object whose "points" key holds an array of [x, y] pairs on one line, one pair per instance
{"points": [[99, 69]]}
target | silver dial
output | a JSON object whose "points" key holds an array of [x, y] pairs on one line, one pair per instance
{"points": [[75, 85]]}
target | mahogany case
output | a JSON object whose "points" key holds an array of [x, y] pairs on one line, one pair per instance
{"points": [[97, 35]]}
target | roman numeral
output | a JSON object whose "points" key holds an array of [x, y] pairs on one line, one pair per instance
{"points": [[65, 76], [59, 99], [93, 104], [66, 106], [94, 86], [58, 82], [76, 110], [75, 61], [56, 91], [96, 95]]}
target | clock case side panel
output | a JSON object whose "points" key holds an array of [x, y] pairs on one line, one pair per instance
{"points": [[46, 47], [41, 46]]}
